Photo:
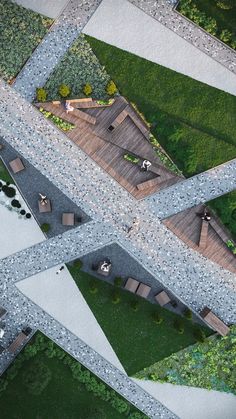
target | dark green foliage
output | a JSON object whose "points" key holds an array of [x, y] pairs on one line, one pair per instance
{"points": [[179, 325], [188, 313], [22, 212], [15, 203], [93, 287], [28, 215], [4, 174], [45, 227], [78, 263], [118, 281], [115, 297], [134, 305], [157, 318], [21, 31], [36, 378], [225, 208], [199, 335], [9, 191]]}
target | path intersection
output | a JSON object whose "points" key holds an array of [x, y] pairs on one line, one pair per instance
{"points": [[196, 281]]}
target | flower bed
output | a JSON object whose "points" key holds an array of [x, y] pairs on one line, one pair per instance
{"points": [[59, 122], [21, 31]]}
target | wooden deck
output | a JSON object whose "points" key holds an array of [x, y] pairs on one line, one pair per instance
{"points": [[187, 226], [107, 149]]}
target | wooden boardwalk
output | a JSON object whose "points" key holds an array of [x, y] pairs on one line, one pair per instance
{"points": [[107, 149]]}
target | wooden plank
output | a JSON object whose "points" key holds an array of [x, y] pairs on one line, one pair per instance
{"points": [[219, 230], [217, 324], [81, 100], [84, 116], [148, 184], [203, 234]]}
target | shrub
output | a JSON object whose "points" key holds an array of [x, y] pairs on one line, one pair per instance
{"points": [[45, 227], [15, 203], [225, 4], [22, 212], [93, 287], [157, 318], [64, 90], [199, 335], [28, 215], [226, 35], [111, 88], [9, 191], [179, 326], [78, 263], [131, 158], [41, 94], [187, 313], [87, 89], [134, 305], [118, 281], [115, 298]]}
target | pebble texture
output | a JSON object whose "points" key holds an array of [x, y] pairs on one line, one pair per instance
{"points": [[54, 45], [162, 10], [112, 209]]}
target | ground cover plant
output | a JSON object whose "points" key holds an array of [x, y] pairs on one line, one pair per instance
{"points": [[79, 68], [4, 174], [21, 31], [140, 333], [193, 122], [217, 17], [225, 208], [59, 122], [211, 365], [47, 382]]}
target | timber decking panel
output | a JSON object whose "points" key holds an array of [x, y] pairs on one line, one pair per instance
{"points": [[203, 234], [82, 115]]}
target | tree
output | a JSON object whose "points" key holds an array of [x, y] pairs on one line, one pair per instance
{"points": [[64, 90], [41, 94], [111, 88], [87, 89]]}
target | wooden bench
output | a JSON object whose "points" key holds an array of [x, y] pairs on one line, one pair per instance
{"points": [[143, 290], [84, 116], [131, 285], [81, 100], [219, 230], [214, 321], [203, 235], [16, 165], [148, 184], [162, 298], [17, 342], [56, 102]]}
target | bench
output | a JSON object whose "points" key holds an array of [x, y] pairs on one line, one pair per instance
{"points": [[45, 207], [68, 219], [17, 342], [84, 116], [203, 235], [131, 285], [16, 165], [214, 321], [82, 100], [143, 290], [162, 298], [148, 184]]}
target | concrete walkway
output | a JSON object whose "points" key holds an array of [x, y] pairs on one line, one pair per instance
{"points": [[192, 402], [54, 45], [140, 34]]}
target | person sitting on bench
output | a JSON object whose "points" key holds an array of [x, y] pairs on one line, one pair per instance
{"points": [[105, 266], [43, 199], [68, 107], [145, 165]]}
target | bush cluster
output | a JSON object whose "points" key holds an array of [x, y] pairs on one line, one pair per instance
{"points": [[36, 380], [45, 227], [189, 9]]}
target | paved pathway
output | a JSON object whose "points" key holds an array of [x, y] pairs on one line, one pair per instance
{"points": [[54, 45], [163, 11], [112, 209]]}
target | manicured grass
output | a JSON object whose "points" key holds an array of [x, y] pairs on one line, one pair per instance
{"points": [[137, 340], [21, 31], [225, 208], [210, 365], [62, 391], [4, 174], [195, 123]]}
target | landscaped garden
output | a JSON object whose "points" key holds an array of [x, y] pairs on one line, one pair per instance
{"points": [[21, 31], [218, 17], [211, 365], [81, 72], [140, 333], [48, 383]]}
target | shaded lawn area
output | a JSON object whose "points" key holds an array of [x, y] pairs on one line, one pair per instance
{"points": [[63, 397], [195, 123], [137, 340], [21, 31], [225, 208], [4, 174]]}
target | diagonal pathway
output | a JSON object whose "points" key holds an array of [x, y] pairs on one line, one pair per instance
{"points": [[54, 45], [196, 280], [163, 11]]}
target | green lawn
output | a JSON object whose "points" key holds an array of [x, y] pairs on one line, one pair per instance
{"points": [[225, 208], [195, 123], [137, 340], [208, 365], [21, 31], [41, 384], [4, 174]]}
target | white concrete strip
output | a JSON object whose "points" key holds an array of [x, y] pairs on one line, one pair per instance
{"points": [[121, 24], [192, 402], [59, 296], [17, 232], [50, 8]]}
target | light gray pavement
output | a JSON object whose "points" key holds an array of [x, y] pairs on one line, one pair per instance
{"points": [[140, 34], [50, 8], [194, 279], [54, 45], [163, 11]]}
